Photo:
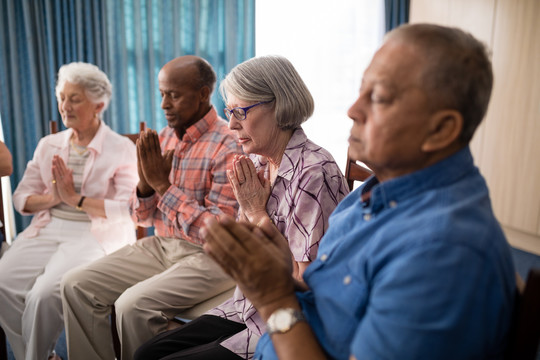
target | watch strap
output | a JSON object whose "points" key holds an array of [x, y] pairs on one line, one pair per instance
{"points": [[79, 205]]}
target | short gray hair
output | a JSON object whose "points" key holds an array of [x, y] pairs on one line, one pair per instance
{"points": [[457, 70], [268, 78], [95, 82]]}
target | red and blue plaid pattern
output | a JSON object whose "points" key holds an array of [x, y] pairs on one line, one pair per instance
{"points": [[200, 188]]}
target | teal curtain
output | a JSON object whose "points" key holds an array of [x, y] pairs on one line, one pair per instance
{"points": [[396, 13], [128, 39], [150, 33]]}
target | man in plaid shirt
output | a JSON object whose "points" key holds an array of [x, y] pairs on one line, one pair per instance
{"points": [[182, 184]]}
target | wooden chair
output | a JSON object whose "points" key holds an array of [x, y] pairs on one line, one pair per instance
{"points": [[355, 172], [525, 331]]}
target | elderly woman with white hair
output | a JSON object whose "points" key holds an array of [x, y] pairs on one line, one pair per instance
{"points": [[286, 178], [77, 187]]}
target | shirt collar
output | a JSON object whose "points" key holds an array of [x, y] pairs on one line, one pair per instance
{"points": [[195, 131], [96, 143], [291, 156], [443, 173]]}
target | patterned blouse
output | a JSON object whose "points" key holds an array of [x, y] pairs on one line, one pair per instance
{"points": [[308, 187]]}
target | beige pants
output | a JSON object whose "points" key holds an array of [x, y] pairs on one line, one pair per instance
{"points": [[148, 283]]}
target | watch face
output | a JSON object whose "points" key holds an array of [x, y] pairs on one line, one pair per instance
{"points": [[283, 320]]}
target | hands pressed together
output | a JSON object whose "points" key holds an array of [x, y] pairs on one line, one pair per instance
{"points": [[63, 188], [251, 189], [256, 257], [153, 166]]}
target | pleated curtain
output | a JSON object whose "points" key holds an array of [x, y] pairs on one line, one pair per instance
{"points": [[128, 39]]}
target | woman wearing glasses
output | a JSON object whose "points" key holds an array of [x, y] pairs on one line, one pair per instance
{"points": [[286, 178]]}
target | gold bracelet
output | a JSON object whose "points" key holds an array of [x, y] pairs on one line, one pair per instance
{"points": [[79, 205]]}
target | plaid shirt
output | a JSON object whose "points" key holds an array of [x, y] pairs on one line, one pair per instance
{"points": [[199, 185]]}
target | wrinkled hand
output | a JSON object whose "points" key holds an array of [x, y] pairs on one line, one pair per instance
{"points": [[64, 189], [251, 189], [154, 168], [257, 258]]}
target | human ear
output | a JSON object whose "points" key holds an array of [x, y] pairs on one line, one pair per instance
{"points": [[205, 94], [99, 107], [444, 129]]}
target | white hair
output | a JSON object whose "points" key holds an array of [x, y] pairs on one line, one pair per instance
{"points": [[95, 82]]}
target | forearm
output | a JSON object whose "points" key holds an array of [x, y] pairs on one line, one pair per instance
{"points": [[5, 169], [298, 343], [6, 165], [91, 206], [35, 203]]}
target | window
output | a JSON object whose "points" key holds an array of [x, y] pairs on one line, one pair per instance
{"points": [[330, 44]]}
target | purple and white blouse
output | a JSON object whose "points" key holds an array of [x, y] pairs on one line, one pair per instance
{"points": [[308, 187]]}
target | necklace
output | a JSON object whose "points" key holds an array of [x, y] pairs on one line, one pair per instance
{"points": [[81, 150]]}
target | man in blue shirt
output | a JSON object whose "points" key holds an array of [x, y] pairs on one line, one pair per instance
{"points": [[414, 264]]}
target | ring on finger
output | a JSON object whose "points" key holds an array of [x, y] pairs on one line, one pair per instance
{"points": [[54, 181]]}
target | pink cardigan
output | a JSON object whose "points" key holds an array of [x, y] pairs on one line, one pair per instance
{"points": [[110, 173]]}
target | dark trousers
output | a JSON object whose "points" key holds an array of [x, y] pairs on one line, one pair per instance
{"points": [[196, 340]]}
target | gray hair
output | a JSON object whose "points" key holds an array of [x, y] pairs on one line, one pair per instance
{"points": [[95, 82], [268, 78], [457, 70]]}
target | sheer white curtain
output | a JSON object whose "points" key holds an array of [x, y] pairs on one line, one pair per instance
{"points": [[330, 43]]}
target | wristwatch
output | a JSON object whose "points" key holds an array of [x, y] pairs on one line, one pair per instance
{"points": [[282, 320]]}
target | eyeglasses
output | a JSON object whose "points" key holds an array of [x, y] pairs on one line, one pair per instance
{"points": [[240, 113]]}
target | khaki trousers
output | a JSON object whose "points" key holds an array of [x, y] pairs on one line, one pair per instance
{"points": [[148, 283]]}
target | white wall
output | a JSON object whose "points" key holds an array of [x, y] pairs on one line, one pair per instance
{"points": [[330, 44]]}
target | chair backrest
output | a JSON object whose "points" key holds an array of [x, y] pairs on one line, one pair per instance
{"points": [[355, 172], [525, 331], [53, 127]]}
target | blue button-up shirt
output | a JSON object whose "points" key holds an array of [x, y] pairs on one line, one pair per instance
{"points": [[421, 270]]}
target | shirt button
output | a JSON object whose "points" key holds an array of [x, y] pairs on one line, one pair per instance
{"points": [[392, 204], [367, 217], [324, 257], [347, 280]]}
